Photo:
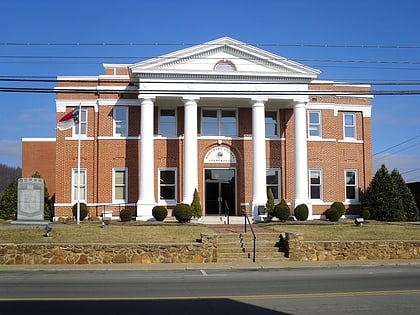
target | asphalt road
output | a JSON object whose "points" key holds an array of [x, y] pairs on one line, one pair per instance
{"points": [[333, 290]]}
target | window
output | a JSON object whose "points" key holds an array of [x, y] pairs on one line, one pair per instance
{"points": [[167, 185], [120, 121], [349, 125], [218, 122], [314, 121], [273, 182], [271, 124], [351, 185], [82, 125], [74, 183], [120, 185], [315, 184], [167, 122]]}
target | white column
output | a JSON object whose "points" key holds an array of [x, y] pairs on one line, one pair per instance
{"points": [[301, 157], [259, 194], [146, 200], [190, 150]]}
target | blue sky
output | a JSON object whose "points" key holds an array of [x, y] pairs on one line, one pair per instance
{"points": [[304, 31]]}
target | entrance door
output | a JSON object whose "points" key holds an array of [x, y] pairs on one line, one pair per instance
{"points": [[220, 191]]}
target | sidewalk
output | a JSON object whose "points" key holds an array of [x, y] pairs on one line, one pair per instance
{"points": [[217, 266]]}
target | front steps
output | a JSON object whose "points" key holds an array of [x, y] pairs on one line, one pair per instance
{"points": [[238, 247]]}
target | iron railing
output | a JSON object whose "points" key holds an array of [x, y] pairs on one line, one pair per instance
{"points": [[254, 247]]}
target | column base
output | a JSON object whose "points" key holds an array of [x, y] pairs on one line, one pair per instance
{"points": [[144, 211], [257, 211]]}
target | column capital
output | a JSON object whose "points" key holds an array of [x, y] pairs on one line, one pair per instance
{"points": [[258, 101], [146, 99], [189, 99]]}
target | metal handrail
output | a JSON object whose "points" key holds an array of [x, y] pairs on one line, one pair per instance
{"points": [[227, 212], [253, 233]]}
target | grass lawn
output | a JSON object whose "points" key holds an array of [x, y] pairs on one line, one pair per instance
{"points": [[180, 233]]}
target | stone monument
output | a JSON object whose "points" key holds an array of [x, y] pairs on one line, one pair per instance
{"points": [[30, 202]]}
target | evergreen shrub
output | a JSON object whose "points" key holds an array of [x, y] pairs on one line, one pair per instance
{"points": [[159, 213], [339, 206], [332, 214], [282, 210], [125, 215], [301, 212], [83, 211], [365, 213], [182, 212]]}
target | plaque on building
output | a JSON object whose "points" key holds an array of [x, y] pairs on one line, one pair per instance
{"points": [[30, 202], [220, 155]]}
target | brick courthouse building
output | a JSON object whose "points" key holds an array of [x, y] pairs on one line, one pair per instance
{"points": [[227, 118]]}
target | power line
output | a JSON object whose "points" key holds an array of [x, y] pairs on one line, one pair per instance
{"points": [[396, 145]]}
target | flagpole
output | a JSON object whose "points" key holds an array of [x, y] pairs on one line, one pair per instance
{"points": [[78, 166]]}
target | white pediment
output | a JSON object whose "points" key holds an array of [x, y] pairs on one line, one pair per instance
{"points": [[225, 56]]}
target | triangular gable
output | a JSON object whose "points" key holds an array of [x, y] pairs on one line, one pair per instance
{"points": [[225, 55]]}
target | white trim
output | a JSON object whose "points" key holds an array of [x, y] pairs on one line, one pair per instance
{"points": [[354, 126], [39, 139], [319, 112], [219, 112], [356, 186], [74, 184], [321, 185], [114, 121], [175, 135], [168, 201], [279, 188]]}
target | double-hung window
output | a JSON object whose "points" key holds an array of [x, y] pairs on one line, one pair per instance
{"points": [[349, 120], [76, 193], [271, 124], [121, 121], [217, 122], [315, 184], [351, 185], [119, 185], [82, 125], [273, 182], [314, 123], [167, 122], [167, 185]]}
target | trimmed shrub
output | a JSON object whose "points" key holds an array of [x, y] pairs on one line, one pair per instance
{"points": [[159, 213], [301, 212], [83, 211], [365, 213], [182, 212], [125, 215], [340, 207], [332, 214], [269, 207], [196, 205], [282, 210]]}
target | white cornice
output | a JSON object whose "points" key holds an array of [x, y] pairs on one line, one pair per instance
{"points": [[38, 139]]}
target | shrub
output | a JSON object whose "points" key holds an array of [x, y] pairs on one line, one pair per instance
{"points": [[339, 206], [159, 213], [182, 212], [125, 215], [196, 205], [332, 214], [301, 212], [83, 211], [269, 207], [282, 210], [365, 213]]}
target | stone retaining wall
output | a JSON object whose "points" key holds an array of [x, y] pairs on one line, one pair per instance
{"points": [[297, 249], [203, 252]]}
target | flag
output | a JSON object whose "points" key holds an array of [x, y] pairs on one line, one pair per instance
{"points": [[69, 120]]}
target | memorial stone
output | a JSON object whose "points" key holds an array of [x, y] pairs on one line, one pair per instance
{"points": [[30, 202]]}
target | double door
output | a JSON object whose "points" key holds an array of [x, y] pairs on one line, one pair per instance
{"points": [[220, 192]]}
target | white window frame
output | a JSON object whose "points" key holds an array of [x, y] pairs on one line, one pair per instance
{"points": [[74, 184], [278, 182], [317, 126], [175, 185], [353, 126], [114, 184], [82, 122], [277, 125], [320, 185], [219, 116], [174, 134], [355, 185], [122, 122]]}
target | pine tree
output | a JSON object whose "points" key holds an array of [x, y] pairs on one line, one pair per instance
{"points": [[196, 205], [8, 202], [409, 204], [383, 199]]}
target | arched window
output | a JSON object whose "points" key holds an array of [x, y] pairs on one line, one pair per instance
{"points": [[224, 65]]}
